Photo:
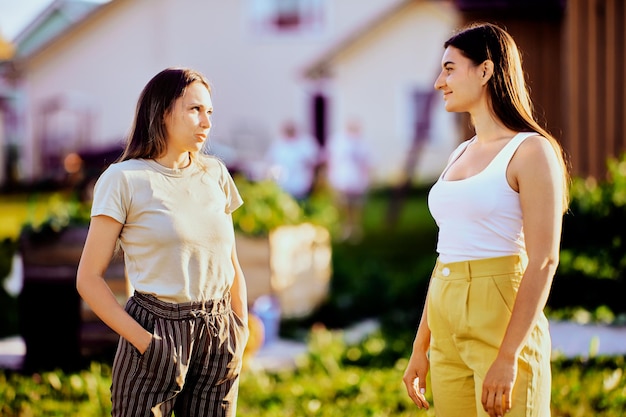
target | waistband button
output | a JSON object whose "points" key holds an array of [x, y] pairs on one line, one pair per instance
{"points": [[445, 271]]}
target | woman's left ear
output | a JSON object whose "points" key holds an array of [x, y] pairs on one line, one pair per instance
{"points": [[487, 71]]}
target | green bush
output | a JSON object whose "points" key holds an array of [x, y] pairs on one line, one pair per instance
{"points": [[266, 206], [383, 275], [62, 212], [589, 387], [332, 379], [594, 238], [84, 393], [592, 270]]}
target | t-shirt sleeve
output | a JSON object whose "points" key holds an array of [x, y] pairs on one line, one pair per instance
{"points": [[233, 198], [111, 195]]}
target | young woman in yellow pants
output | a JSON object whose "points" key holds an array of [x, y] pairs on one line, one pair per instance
{"points": [[498, 205]]}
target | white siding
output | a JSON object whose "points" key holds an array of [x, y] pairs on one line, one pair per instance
{"points": [[257, 82]]}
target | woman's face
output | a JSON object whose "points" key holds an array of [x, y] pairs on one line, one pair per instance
{"points": [[460, 81], [189, 121]]}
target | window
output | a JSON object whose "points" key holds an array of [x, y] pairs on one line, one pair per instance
{"points": [[420, 116], [287, 17]]}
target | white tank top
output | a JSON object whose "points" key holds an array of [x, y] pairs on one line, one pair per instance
{"points": [[480, 216]]}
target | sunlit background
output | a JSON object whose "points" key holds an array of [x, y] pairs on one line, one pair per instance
{"points": [[335, 290]]}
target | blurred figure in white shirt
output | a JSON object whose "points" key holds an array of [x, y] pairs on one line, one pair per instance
{"points": [[348, 162], [292, 159]]}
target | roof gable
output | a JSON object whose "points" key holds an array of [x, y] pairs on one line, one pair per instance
{"points": [[319, 68], [50, 23]]}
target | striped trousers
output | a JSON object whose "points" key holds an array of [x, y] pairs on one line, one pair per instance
{"points": [[191, 367]]}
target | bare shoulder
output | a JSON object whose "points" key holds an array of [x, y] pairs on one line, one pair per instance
{"points": [[535, 162], [534, 152], [535, 145]]}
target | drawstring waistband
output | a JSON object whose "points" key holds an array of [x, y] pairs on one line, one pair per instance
{"points": [[206, 310], [209, 319]]}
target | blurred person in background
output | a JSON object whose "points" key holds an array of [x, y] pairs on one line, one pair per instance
{"points": [[169, 206], [499, 205], [293, 158], [348, 164]]}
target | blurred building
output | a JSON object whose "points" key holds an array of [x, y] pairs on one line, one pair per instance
{"points": [[383, 75], [78, 70], [58, 17], [77, 85]]}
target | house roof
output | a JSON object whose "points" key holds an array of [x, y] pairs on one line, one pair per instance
{"points": [[54, 20], [320, 66]]}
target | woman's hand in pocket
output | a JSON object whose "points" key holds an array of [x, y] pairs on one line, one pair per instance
{"points": [[143, 342]]}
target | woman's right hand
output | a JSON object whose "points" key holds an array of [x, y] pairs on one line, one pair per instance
{"points": [[143, 344], [415, 378]]}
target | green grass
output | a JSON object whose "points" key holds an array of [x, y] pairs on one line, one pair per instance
{"points": [[332, 379]]}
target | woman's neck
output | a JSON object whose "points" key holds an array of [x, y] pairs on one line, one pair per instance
{"points": [[489, 129], [174, 161]]}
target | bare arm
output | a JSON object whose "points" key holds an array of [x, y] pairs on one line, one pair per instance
{"points": [[97, 253], [538, 177], [415, 374], [238, 291]]}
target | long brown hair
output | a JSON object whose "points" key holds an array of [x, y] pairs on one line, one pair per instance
{"points": [[148, 137], [509, 97]]}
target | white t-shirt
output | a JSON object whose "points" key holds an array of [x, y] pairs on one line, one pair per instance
{"points": [[178, 234], [479, 217], [348, 161], [293, 163]]}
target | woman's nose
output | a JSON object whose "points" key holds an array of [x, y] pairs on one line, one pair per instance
{"points": [[439, 82], [205, 120]]}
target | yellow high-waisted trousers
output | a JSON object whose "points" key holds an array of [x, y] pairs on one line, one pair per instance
{"points": [[469, 307]]}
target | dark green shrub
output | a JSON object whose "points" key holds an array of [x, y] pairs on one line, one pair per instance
{"points": [[592, 271], [8, 303], [385, 274]]}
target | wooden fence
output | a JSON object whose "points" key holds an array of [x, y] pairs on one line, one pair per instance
{"points": [[575, 57]]}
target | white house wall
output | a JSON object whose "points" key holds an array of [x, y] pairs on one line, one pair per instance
{"points": [[104, 63], [373, 79], [257, 82]]}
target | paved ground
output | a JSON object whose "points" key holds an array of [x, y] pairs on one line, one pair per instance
{"points": [[568, 339], [572, 339]]}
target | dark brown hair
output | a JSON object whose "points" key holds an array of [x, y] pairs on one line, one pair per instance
{"points": [[509, 99]]}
